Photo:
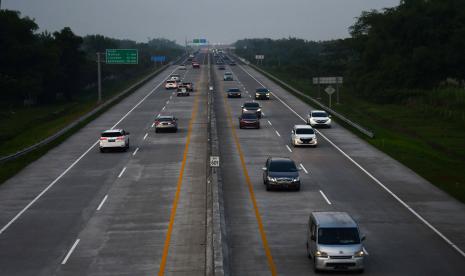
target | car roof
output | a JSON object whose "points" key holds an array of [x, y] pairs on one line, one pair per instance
{"points": [[165, 117], [230, 88], [319, 111], [250, 103], [281, 159], [303, 126], [334, 219], [227, 73]]}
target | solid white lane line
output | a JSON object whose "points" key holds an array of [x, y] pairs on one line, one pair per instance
{"points": [[135, 152], [288, 148], [102, 202], [121, 173], [277, 133], [153, 124], [434, 229], [303, 168], [70, 252], [270, 123], [324, 196], [145, 136], [74, 163]]}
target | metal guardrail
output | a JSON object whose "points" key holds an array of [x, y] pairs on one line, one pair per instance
{"points": [[334, 113], [109, 102]]}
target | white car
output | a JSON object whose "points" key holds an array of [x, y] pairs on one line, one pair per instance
{"points": [[182, 67], [319, 118], [171, 84], [303, 135], [114, 138], [175, 77]]}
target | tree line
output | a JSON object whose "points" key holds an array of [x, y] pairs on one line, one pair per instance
{"points": [[43, 68], [392, 55]]}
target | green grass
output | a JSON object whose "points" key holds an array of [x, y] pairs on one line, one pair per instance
{"points": [[429, 139], [25, 126]]}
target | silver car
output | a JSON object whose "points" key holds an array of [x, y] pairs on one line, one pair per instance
{"points": [[303, 135], [334, 242], [319, 118]]}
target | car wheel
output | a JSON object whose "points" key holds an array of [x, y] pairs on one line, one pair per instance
{"points": [[360, 271], [156, 130], [102, 150], [315, 269], [308, 251], [297, 188], [258, 127], [268, 187]]}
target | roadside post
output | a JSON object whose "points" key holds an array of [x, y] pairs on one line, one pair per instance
{"points": [[259, 59], [330, 90]]}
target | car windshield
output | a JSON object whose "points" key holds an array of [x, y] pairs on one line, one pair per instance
{"points": [[111, 134], [233, 90], [249, 116], [338, 236], [251, 105], [304, 131], [319, 114], [165, 119], [283, 166], [261, 90]]}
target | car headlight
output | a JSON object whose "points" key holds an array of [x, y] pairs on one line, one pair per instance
{"points": [[359, 254], [321, 254], [245, 109], [272, 179], [267, 94], [311, 119], [257, 94], [297, 179], [258, 110], [329, 121]]}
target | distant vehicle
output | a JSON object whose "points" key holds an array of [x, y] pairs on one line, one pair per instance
{"points": [[252, 107], [220, 62], [171, 84], [114, 139], [319, 118], [191, 56], [249, 120], [234, 92], [334, 242], [175, 77], [195, 65], [182, 67], [228, 76], [189, 86], [221, 67], [303, 135], [262, 93], [232, 63], [166, 122], [182, 91], [281, 173]]}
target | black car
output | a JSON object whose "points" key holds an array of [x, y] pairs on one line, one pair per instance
{"points": [[252, 107], [221, 67], [262, 93], [249, 120], [281, 173], [232, 63], [234, 93]]}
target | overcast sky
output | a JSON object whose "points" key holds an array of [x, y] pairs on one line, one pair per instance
{"points": [[222, 21]]}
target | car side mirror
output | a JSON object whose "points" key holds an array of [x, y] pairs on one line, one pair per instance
{"points": [[329, 116], [363, 238], [264, 169], [313, 238]]}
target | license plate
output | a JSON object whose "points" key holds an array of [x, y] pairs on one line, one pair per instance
{"points": [[111, 140]]}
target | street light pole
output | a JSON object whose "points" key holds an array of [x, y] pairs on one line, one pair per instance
{"points": [[99, 78]]}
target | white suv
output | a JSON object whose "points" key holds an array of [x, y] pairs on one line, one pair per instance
{"points": [[303, 135], [114, 138], [319, 118], [171, 84]]}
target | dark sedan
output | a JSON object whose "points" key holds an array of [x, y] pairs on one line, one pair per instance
{"points": [[234, 92], [249, 120], [281, 173], [252, 107], [262, 93]]}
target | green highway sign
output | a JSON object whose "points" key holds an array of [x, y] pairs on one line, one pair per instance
{"points": [[122, 56], [196, 41]]}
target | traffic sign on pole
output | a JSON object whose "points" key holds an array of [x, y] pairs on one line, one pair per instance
{"points": [[122, 56]]}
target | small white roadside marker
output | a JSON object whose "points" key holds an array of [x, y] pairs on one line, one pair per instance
{"points": [[135, 152], [288, 148], [145, 136], [277, 133], [270, 123], [303, 168], [101, 203]]}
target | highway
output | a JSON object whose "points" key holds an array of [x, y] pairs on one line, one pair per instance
{"points": [[76, 211]]}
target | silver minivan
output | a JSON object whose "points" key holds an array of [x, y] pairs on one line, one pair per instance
{"points": [[334, 242]]}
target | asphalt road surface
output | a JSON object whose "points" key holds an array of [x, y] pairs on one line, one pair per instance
{"points": [[76, 211]]}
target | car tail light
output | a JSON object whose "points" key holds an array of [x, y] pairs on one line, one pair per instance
{"points": [[157, 123], [103, 138], [120, 138]]}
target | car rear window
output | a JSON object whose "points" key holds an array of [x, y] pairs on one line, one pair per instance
{"points": [[112, 134], [165, 119], [304, 131], [282, 166], [261, 90], [319, 114], [171, 81], [233, 90], [251, 105], [338, 236]]}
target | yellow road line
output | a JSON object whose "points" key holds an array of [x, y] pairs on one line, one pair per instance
{"points": [[161, 271], [269, 257]]}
